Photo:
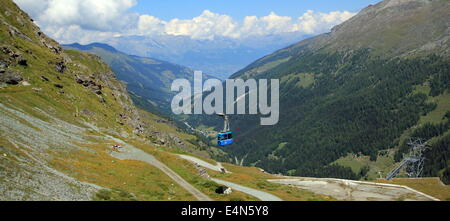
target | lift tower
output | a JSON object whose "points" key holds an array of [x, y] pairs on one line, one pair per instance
{"points": [[413, 161]]}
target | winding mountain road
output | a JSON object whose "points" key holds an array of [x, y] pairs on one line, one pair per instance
{"points": [[132, 153], [202, 163], [250, 191]]}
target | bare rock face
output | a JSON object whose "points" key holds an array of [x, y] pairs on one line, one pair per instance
{"points": [[22, 61], [12, 57], [10, 77], [89, 83], [60, 67]]}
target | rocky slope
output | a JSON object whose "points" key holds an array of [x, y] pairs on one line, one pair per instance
{"points": [[48, 97], [147, 78], [54, 102]]}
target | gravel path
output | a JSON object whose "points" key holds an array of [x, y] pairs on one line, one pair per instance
{"points": [[202, 163], [132, 153], [250, 191]]}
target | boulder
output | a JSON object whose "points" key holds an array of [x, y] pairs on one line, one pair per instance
{"points": [[44, 78], [90, 84], [22, 61], [223, 190], [60, 67], [86, 112], [11, 77]]}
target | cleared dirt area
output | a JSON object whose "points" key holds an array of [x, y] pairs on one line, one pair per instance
{"points": [[349, 190]]}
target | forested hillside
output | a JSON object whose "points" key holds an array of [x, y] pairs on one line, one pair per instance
{"points": [[374, 81]]}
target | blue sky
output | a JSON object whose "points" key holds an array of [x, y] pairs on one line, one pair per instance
{"points": [[101, 20], [186, 9]]}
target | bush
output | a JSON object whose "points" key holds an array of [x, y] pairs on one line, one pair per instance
{"points": [[103, 195]]}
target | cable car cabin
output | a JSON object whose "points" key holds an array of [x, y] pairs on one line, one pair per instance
{"points": [[225, 139]]}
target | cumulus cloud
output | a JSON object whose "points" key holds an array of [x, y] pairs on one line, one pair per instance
{"points": [[102, 15], [86, 20], [311, 22], [206, 26], [209, 25], [148, 24], [270, 24]]}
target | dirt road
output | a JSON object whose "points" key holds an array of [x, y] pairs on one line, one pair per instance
{"points": [[250, 191], [247, 190], [132, 153], [202, 163]]}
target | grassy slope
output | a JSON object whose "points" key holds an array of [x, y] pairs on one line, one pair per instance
{"points": [[128, 180], [430, 186]]}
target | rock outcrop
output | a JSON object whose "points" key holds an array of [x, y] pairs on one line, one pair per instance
{"points": [[10, 77]]}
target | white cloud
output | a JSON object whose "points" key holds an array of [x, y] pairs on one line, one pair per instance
{"points": [[209, 25], [148, 24], [74, 33], [86, 21], [311, 22], [206, 26], [103, 15]]}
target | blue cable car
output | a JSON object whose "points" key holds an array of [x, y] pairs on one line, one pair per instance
{"points": [[225, 137]]}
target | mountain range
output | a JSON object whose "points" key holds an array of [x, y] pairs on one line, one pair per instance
{"points": [[219, 57]]}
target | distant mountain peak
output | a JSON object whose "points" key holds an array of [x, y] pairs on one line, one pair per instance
{"points": [[393, 28], [92, 45]]}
